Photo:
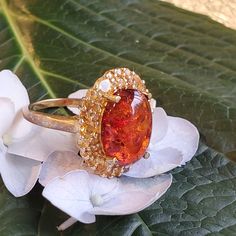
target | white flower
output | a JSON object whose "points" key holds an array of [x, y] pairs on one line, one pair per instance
{"points": [[83, 195], [68, 184], [23, 146]]}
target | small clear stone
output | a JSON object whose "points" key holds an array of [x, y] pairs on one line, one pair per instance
{"points": [[105, 85], [127, 72], [109, 75], [118, 71]]}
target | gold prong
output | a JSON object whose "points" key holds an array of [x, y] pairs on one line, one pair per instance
{"points": [[118, 99], [126, 168], [146, 155], [112, 98]]}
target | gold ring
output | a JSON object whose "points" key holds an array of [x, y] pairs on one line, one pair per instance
{"points": [[114, 123]]}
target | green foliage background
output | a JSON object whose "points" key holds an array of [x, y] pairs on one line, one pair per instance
{"points": [[189, 63]]}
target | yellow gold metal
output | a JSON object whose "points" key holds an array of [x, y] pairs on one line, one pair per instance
{"points": [[58, 102], [112, 98], [59, 122], [87, 125]]}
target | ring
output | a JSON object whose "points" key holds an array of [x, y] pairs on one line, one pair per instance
{"points": [[114, 122]]}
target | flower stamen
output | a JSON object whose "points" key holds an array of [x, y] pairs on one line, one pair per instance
{"points": [[96, 200], [7, 139]]}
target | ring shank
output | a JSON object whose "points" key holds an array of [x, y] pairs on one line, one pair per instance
{"points": [[33, 114]]}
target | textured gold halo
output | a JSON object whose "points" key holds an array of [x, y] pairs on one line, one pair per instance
{"points": [[90, 116]]}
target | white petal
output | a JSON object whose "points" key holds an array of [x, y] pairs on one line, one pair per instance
{"points": [[3, 148], [41, 142], [71, 194], [100, 186], [74, 192], [58, 164], [159, 125], [20, 128], [7, 115], [182, 135], [12, 88], [19, 174], [153, 103], [134, 195], [78, 94], [159, 162]]}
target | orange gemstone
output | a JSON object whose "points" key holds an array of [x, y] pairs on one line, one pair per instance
{"points": [[126, 126]]}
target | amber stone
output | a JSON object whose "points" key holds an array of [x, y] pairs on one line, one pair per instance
{"points": [[126, 126]]}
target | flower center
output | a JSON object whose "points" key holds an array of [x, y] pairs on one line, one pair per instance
{"points": [[126, 126], [7, 139], [96, 200]]}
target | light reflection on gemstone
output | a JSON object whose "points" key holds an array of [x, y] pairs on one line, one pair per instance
{"points": [[126, 126]]}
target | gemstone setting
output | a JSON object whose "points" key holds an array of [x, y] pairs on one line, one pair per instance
{"points": [[89, 121]]}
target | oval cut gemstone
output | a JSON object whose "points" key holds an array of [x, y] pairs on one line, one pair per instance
{"points": [[126, 126]]}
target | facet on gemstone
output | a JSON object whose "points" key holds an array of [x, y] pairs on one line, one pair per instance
{"points": [[126, 126]]}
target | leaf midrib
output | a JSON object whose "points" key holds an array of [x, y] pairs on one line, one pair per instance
{"points": [[23, 49]]}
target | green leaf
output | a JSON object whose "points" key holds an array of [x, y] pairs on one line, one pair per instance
{"points": [[52, 217], [19, 216], [188, 62]]}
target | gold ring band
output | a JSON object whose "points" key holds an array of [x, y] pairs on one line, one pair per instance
{"points": [[59, 122]]}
